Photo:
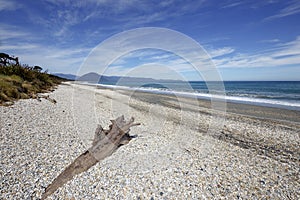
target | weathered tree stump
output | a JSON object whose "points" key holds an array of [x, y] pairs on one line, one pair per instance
{"points": [[104, 144]]}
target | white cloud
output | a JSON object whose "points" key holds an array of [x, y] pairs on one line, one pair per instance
{"points": [[162, 57]]}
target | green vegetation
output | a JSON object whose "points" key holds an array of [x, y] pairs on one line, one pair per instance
{"points": [[22, 82]]}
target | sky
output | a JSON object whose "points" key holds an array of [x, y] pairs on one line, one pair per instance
{"points": [[244, 40]]}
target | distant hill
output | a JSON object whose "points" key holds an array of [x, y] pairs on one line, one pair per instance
{"points": [[66, 76], [93, 77]]}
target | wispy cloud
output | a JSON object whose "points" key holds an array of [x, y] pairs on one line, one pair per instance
{"points": [[19, 47], [149, 70], [270, 41], [17, 42], [60, 33], [11, 38], [233, 4], [68, 14], [164, 65], [56, 59], [221, 52], [179, 55], [8, 5], [292, 9], [11, 32], [284, 54]]}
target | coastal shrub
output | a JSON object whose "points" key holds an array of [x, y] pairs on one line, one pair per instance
{"points": [[18, 81]]}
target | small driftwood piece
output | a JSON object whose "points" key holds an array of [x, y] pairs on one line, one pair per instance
{"points": [[104, 144], [39, 97]]}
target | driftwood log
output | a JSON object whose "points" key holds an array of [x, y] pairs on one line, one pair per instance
{"points": [[104, 144]]}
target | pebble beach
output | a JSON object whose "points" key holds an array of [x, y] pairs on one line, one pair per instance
{"points": [[253, 154]]}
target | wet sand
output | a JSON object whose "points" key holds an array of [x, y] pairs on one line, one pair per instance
{"points": [[261, 112]]}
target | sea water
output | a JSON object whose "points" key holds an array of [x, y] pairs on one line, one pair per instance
{"points": [[282, 94]]}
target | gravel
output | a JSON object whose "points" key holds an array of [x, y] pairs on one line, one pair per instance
{"points": [[172, 157]]}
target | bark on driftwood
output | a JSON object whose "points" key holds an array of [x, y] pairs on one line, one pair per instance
{"points": [[104, 144]]}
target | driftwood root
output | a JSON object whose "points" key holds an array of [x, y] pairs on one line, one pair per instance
{"points": [[104, 144]]}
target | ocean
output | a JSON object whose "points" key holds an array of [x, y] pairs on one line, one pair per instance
{"points": [[281, 94]]}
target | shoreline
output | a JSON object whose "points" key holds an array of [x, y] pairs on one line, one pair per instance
{"points": [[248, 110]]}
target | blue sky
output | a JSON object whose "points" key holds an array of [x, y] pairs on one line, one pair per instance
{"points": [[247, 40]]}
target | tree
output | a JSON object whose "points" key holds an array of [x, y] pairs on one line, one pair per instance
{"points": [[37, 68], [3, 59]]}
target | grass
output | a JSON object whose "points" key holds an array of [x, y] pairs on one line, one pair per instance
{"points": [[18, 82]]}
